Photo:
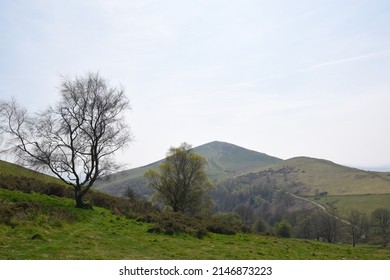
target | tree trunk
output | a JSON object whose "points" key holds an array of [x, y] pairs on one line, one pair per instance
{"points": [[79, 200]]}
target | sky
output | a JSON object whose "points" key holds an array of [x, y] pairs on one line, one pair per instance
{"points": [[286, 78]]}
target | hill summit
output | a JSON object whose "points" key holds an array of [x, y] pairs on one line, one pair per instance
{"points": [[228, 160], [224, 160]]}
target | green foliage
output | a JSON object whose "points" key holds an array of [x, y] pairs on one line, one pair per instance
{"points": [[283, 229], [260, 226], [175, 222], [169, 222], [25, 209], [181, 182], [226, 223]]}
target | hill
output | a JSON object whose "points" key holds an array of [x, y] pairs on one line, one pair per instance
{"points": [[309, 176], [47, 227], [323, 183], [43, 223], [224, 160], [11, 169]]}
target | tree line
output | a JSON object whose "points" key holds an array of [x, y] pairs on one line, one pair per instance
{"points": [[266, 209]]}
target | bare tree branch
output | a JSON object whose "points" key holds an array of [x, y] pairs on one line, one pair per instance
{"points": [[76, 139]]}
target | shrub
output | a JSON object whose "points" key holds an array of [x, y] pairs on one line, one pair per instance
{"points": [[6, 212], [19, 211], [175, 222], [226, 223], [260, 226], [283, 229]]}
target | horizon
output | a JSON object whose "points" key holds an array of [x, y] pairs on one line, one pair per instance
{"points": [[382, 168], [288, 78]]}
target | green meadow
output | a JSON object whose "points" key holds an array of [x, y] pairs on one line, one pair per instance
{"points": [[48, 227]]}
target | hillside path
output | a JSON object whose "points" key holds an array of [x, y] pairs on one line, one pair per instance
{"points": [[323, 208]]}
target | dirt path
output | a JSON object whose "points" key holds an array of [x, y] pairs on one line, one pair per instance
{"points": [[323, 208]]}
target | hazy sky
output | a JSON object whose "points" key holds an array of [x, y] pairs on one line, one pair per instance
{"points": [[287, 78]]}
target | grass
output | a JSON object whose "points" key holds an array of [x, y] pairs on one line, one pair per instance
{"points": [[317, 175], [7, 168], [343, 204], [99, 234]]}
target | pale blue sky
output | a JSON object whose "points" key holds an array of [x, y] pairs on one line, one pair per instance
{"points": [[287, 78]]}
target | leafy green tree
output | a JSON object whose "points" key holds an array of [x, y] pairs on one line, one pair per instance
{"points": [[283, 229], [181, 182]]}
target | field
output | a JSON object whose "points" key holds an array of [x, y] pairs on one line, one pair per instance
{"points": [[57, 230], [343, 204], [318, 175]]}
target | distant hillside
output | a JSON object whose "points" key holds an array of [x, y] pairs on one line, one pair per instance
{"points": [[227, 160], [224, 161], [308, 176], [337, 188]]}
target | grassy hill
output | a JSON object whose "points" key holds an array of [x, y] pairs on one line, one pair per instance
{"points": [[229, 161], [7, 169], [225, 161], [42, 226], [47, 227], [318, 175], [338, 188]]}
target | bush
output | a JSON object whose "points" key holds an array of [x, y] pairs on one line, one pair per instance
{"points": [[260, 226], [226, 223], [6, 212], [283, 229], [20, 211], [169, 222], [175, 222]]}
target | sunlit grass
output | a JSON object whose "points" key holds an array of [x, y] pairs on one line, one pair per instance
{"points": [[98, 234]]}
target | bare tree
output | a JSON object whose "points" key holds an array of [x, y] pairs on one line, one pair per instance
{"points": [[357, 223], [246, 213], [381, 219], [329, 226], [76, 139]]}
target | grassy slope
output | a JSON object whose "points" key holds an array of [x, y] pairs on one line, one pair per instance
{"points": [[7, 168], [343, 204], [98, 234], [347, 188], [227, 160], [323, 175]]}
